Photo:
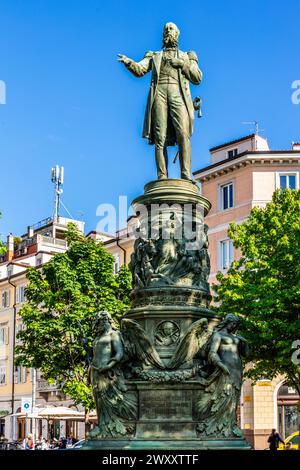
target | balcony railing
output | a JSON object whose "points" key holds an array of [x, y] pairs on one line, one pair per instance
{"points": [[43, 385], [54, 241]]}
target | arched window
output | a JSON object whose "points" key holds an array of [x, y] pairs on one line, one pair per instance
{"points": [[287, 399]]}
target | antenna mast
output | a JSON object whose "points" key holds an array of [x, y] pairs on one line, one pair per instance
{"points": [[257, 129], [57, 178]]}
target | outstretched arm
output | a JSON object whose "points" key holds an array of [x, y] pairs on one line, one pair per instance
{"points": [[138, 69]]}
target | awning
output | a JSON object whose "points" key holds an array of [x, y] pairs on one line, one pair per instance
{"points": [[56, 412]]}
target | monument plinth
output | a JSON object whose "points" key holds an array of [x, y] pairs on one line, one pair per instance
{"points": [[171, 376], [170, 264]]}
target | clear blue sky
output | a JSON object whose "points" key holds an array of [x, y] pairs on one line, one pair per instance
{"points": [[70, 102]]}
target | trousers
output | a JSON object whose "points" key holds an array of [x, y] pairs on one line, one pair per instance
{"points": [[169, 104]]}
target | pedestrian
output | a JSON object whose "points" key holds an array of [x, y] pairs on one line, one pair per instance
{"points": [[274, 440], [69, 441], [28, 442], [54, 443], [45, 444], [38, 444], [63, 443]]}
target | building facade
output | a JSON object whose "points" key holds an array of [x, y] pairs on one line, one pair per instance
{"points": [[36, 247], [243, 174]]}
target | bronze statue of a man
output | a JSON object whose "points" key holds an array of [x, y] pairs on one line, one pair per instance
{"points": [[169, 115]]}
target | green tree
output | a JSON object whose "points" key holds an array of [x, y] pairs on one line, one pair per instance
{"points": [[263, 287], [61, 299]]}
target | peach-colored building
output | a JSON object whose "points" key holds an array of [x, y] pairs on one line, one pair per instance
{"points": [[242, 174], [35, 248]]}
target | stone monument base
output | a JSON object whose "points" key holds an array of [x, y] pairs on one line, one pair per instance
{"points": [[167, 418], [167, 444]]}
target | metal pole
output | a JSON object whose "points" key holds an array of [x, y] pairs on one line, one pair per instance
{"points": [[26, 425], [33, 405]]}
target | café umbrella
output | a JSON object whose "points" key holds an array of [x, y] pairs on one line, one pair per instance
{"points": [[59, 412]]}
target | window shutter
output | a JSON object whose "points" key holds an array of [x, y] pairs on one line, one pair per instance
{"points": [[17, 295], [24, 374], [6, 335], [231, 252], [220, 256], [16, 377], [2, 375]]}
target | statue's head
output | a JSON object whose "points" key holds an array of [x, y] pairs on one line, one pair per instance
{"points": [[170, 35], [230, 322], [104, 321], [168, 328]]}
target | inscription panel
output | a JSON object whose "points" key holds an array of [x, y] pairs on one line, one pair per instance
{"points": [[166, 404]]}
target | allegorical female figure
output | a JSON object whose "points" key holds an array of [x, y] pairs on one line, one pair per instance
{"points": [[114, 406], [217, 406]]}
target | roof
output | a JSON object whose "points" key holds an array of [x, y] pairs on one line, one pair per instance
{"points": [[250, 136], [247, 152]]}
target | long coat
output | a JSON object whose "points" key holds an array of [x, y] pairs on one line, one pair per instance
{"points": [[189, 72]]}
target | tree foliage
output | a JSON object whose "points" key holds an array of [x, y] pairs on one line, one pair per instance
{"points": [[263, 286], [61, 299]]}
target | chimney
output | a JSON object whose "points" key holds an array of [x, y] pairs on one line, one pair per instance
{"points": [[30, 231], [10, 247], [295, 146]]}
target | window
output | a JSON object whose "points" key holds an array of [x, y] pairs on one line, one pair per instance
{"points": [[19, 327], [117, 264], [10, 271], [5, 299], [3, 335], [295, 440], [2, 375], [18, 375], [226, 254], [226, 196], [288, 419], [20, 294], [38, 261], [232, 153], [287, 181]]}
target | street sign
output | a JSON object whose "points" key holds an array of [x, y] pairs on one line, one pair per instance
{"points": [[26, 405]]}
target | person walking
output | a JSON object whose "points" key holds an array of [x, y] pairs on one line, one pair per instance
{"points": [[274, 440]]}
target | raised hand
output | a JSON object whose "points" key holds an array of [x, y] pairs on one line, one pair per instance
{"points": [[123, 58]]}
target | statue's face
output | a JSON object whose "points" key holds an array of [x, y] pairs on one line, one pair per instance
{"points": [[232, 326], [168, 329], [170, 35], [104, 323]]}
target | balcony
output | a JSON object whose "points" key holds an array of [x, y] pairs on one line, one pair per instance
{"points": [[43, 386]]}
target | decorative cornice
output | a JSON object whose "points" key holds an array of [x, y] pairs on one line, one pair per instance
{"points": [[247, 158]]}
